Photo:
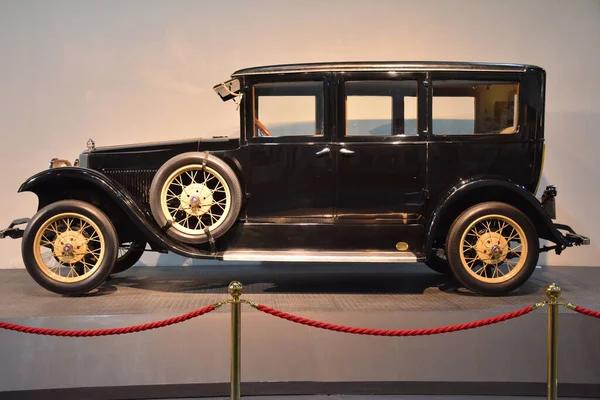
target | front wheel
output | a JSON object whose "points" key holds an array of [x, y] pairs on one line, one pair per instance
{"points": [[69, 247], [492, 248]]}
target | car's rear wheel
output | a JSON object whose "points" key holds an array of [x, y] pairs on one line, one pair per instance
{"points": [[492, 248], [69, 247], [128, 255], [194, 194]]}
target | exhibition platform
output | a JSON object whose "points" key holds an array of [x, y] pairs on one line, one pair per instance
{"points": [[191, 359]]}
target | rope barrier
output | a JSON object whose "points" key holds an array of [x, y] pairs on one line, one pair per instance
{"points": [[390, 332], [293, 318], [586, 311], [111, 331]]}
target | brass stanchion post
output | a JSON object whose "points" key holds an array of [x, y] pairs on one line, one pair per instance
{"points": [[235, 290], [553, 293]]}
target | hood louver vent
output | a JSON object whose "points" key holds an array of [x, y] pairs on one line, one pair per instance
{"points": [[136, 181]]}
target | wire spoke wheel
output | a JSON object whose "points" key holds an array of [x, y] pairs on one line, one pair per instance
{"points": [[195, 198], [69, 247], [122, 251], [128, 254], [493, 249]]}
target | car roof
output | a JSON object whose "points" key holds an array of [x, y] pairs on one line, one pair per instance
{"points": [[382, 66]]}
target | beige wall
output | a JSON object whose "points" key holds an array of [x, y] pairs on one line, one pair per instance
{"points": [[141, 70]]}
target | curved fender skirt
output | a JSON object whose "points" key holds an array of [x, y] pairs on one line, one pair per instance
{"points": [[153, 234]]}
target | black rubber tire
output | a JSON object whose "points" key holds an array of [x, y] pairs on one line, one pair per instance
{"points": [[439, 265], [110, 251], [453, 248], [195, 158], [132, 255]]}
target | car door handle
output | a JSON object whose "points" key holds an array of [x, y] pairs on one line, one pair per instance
{"points": [[346, 152], [326, 150]]}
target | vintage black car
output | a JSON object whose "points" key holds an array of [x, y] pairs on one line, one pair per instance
{"points": [[433, 162]]}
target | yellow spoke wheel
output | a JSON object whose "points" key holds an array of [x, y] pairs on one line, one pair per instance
{"points": [[69, 247], [492, 248], [195, 197]]}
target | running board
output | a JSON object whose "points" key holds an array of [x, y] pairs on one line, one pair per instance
{"points": [[321, 256]]}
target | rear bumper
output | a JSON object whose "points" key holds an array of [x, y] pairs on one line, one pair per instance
{"points": [[572, 237], [569, 237], [12, 231]]}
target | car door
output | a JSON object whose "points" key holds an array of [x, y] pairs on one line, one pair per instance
{"points": [[381, 151], [288, 141]]}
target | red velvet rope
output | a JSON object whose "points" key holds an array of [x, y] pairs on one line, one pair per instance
{"points": [[107, 332], [586, 311], [390, 332]]}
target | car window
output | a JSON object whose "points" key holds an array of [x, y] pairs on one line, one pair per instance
{"points": [[474, 107], [381, 108], [288, 109]]}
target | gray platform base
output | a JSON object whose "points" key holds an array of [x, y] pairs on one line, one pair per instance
{"points": [[279, 357]]}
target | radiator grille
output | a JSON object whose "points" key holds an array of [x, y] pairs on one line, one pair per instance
{"points": [[135, 181]]}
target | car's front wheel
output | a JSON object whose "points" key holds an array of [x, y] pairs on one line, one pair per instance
{"points": [[492, 248], [69, 247]]}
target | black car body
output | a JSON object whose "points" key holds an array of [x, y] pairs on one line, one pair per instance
{"points": [[381, 166]]}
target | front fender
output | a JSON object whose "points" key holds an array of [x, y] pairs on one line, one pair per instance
{"points": [[45, 184], [481, 190]]}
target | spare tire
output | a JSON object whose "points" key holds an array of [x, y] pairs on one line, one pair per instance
{"points": [[193, 193]]}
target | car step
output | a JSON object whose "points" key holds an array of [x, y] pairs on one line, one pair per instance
{"points": [[321, 256]]}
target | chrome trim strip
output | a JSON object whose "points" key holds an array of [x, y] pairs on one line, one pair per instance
{"points": [[320, 256]]}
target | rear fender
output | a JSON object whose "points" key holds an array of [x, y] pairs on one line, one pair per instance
{"points": [[89, 185], [465, 195]]}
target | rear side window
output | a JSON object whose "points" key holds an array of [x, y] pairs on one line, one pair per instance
{"points": [[475, 107]]}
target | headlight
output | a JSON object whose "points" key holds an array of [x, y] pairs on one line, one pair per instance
{"points": [[57, 163]]}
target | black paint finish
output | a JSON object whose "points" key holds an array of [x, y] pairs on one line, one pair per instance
{"points": [[289, 180], [335, 191]]}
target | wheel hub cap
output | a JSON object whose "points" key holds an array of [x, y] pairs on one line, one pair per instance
{"points": [[492, 248], [196, 199], [70, 247]]}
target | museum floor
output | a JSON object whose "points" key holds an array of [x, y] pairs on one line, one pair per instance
{"points": [[290, 287], [281, 358]]}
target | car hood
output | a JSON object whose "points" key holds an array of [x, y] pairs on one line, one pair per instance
{"points": [[150, 156], [213, 144]]}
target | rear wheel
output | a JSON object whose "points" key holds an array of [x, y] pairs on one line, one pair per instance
{"points": [[492, 248], [69, 247]]}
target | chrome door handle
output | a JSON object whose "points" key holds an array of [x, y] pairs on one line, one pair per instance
{"points": [[346, 152], [324, 151]]}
